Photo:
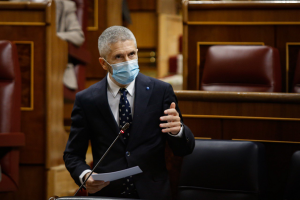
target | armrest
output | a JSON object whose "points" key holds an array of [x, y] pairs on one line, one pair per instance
{"points": [[12, 139]]}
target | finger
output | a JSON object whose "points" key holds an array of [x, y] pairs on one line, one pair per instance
{"points": [[171, 112], [170, 124], [105, 184], [95, 183], [172, 129], [94, 189], [173, 105], [172, 109], [95, 186], [170, 118], [102, 186], [90, 178]]}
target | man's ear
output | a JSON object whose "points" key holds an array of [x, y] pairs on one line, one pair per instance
{"points": [[102, 63]]}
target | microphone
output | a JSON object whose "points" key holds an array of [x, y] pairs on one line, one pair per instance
{"points": [[123, 129]]}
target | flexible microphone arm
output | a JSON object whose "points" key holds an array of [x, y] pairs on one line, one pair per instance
{"points": [[124, 128]]}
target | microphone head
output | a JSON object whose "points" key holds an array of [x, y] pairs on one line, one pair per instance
{"points": [[125, 127]]}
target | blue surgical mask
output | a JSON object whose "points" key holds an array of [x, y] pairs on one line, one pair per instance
{"points": [[125, 72]]}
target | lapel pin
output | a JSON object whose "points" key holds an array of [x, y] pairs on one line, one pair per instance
{"points": [[147, 88]]}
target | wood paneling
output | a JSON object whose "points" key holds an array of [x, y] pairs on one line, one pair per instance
{"points": [[93, 69], [56, 60], [274, 24], [90, 82], [31, 184], [242, 5], [144, 26], [243, 109], [64, 184], [269, 131], [114, 7], [284, 35], [22, 17], [92, 14], [68, 110], [25, 50], [204, 128], [244, 15], [292, 50], [169, 28], [166, 7], [156, 28], [142, 5]]}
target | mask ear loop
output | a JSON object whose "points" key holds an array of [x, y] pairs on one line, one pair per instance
{"points": [[106, 61], [109, 65]]}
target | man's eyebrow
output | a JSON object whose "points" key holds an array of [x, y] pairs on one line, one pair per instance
{"points": [[118, 54]]}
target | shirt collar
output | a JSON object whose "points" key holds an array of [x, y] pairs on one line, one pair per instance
{"points": [[114, 88]]}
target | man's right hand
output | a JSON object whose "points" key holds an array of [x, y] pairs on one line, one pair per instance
{"points": [[93, 186]]}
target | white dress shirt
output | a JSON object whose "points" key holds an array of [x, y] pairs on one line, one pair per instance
{"points": [[113, 97]]}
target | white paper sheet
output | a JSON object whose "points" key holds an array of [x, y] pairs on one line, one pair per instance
{"points": [[112, 176]]}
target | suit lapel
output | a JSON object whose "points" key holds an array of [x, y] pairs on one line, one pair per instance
{"points": [[100, 96], [143, 91]]}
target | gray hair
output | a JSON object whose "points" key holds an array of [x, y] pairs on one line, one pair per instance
{"points": [[112, 35]]}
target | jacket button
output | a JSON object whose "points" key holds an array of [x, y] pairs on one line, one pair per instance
{"points": [[187, 139], [127, 153]]}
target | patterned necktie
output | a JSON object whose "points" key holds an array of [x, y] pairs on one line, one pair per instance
{"points": [[125, 116]]}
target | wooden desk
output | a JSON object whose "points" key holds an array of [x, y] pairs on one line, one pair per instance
{"points": [[270, 118], [43, 57], [207, 23]]}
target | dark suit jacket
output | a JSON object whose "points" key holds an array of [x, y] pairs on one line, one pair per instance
{"points": [[92, 120]]}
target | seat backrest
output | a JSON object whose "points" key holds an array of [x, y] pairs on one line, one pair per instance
{"points": [[242, 69], [10, 113], [10, 88], [296, 82], [293, 184], [223, 169]]}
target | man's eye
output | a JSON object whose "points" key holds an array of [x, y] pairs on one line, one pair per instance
{"points": [[117, 57]]}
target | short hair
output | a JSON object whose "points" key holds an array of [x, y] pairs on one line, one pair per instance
{"points": [[112, 35]]}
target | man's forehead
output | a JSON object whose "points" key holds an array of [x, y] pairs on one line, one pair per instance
{"points": [[122, 46]]}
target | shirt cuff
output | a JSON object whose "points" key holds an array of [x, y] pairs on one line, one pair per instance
{"points": [[83, 174], [179, 135]]}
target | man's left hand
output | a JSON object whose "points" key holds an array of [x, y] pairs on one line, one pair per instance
{"points": [[173, 124]]}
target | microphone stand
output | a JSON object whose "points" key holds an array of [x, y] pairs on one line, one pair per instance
{"points": [[124, 128]]}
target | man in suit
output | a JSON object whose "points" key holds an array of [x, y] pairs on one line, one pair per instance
{"points": [[125, 95]]}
